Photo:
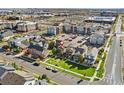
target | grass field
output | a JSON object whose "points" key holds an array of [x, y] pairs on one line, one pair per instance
{"points": [[87, 71]]}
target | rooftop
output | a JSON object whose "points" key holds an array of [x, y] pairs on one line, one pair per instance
{"points": [[101, 18]]}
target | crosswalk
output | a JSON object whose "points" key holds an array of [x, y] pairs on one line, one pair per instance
{"points": [[110, 81]]}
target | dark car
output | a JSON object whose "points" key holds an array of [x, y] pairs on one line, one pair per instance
{"points": [[120, 41], [36, 64], [70, 39], [48, 68], [55, 70], [80, 81], [79, 41], [8, 53]]}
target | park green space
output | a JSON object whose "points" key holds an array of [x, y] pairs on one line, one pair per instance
{"points": [[86, 71]]}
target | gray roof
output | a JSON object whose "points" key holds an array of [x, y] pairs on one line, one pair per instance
{"points": [[6, 33], [80, 50], [14, 77], [3, 69]]}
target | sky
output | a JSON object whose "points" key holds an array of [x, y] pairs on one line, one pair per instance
{"points": [[61, 4]]}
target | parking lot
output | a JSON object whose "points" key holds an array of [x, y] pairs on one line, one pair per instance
{"points": [[73, 40], [59, 77]]}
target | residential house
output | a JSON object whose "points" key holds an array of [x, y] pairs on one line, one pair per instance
{"points": [[37, 51], [68, 52], [75, 57], [3, 69], [6, 35], [89, 59], [9, 76], [37, 47], [19, 41], [77, 52]]}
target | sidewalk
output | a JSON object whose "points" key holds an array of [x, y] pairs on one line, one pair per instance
{"points": [[106, 48]]}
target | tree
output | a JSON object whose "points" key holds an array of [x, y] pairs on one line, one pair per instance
{"points": [[54, 51], [81, 58], [15, 66], [38, 77], [97, 59], [17, 50], [44, 76], [5, 47], [101, 51], [51, 45], [69, 52], [60, 51]]}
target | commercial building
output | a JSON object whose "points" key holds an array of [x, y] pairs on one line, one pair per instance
{"points": [[101, 19], [109, 13]]}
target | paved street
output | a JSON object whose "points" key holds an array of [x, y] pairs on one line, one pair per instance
{"points": [[59, 77], [113, 63]]}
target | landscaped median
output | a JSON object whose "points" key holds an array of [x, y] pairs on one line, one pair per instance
{"points": [[109, 42], [70, 68], [38, 77], [114, 24], [122, 27], [101, 70]]}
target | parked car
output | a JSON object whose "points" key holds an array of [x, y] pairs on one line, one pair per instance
{"points": [[79, 41], [8, 53], [36, 64], [80, 81], [120, 41], [48, 68], [55, 70]]}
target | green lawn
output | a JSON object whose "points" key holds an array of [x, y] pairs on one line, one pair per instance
{"points": [[101, 70], [88, 71]]}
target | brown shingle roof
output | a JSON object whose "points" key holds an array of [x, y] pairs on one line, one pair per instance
{"points": [[15, 78]]}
